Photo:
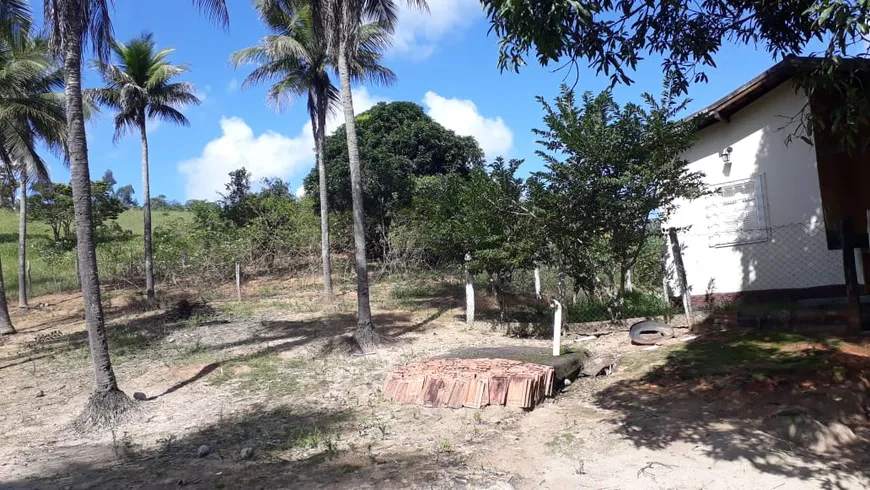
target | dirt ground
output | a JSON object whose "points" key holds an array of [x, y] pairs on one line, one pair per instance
{"points": [[248, 381]]}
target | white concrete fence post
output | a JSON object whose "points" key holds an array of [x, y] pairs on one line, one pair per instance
{"points": [[469, 292], [557, 329]]}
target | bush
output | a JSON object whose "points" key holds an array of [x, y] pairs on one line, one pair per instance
{"points": [[635, 304]]}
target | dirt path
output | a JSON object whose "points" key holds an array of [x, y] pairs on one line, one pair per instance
{"points": [[249, 376]]}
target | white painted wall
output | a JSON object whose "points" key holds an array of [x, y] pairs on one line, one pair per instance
{"points": [[795, 254]]}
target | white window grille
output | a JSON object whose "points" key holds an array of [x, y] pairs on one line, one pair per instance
{"points": [[737, 213]]}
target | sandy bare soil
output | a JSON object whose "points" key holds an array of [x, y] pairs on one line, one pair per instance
{"points": [[246, 380]]}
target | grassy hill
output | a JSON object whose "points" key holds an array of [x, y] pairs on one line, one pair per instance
{"points": [[52, 271]]}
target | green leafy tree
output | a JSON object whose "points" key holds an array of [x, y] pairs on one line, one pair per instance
{"points": [[109, 178], [295, 59], [125, 194], [397, 142], [482, 214], [611, 170], [72, 26], [140, 86], [612, 37], [53, 205]]}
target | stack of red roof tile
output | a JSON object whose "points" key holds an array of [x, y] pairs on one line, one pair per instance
{"points": [[473, 383]]}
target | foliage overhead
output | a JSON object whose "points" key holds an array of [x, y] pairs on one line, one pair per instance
{"points": [[613, 36]]}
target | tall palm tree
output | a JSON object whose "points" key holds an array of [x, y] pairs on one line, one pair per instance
{"points": [[138, 87], [342, 22], [30, 111], [72, 25], [296, 60]]}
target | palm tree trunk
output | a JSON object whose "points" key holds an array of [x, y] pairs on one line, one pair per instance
{"points": [[22, 241], [365, 335], [146, 211], [319, 146], [108, 402], [6, 327]]}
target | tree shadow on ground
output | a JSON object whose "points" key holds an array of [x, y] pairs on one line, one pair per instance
{"points": [[762, 397], [209, 331], [290, 447]]}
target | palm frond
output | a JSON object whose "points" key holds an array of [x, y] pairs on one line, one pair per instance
{"points": [[140, 83], [167, 113], [215, 10], [125, 123]]}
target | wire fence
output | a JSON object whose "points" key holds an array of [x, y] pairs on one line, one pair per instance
{"points": [[761, 265], [764, 265]]}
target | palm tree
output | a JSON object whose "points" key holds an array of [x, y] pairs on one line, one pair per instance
{"points": [[30, 111], [71, 25], [296, 59], [342, 22], [137, 88]]}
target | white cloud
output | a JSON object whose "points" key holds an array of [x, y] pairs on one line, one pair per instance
{"points": [[463, 117], [232, 85], [266, 155], [300, 192], [269, 154], [418, 33]]}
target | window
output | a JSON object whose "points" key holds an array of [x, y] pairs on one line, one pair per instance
{"points": [[737, 214]]}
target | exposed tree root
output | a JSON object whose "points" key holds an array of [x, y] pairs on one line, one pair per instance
{"points": [[367, 336], [104, 410]]}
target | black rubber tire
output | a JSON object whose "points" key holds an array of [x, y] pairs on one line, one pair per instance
{"points": [[650, 332]]}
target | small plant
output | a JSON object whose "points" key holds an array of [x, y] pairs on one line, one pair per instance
{"points": [[445, 446], [561, 442]]}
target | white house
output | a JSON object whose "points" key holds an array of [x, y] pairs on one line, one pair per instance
{"points": [[762, 234]]}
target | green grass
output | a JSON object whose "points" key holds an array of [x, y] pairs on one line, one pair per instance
{"points": [[267, 372], [57, 273], [637, 305], [763, 353]]}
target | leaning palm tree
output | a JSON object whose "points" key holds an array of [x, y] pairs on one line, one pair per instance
{"points": [[72, 25], [139, 87], [295, 59], [342, 23], [30, 111]]}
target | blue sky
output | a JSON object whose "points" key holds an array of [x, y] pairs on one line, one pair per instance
{"points": [[446, 62]]}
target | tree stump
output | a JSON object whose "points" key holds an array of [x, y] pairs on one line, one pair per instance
{"points": [[471, 383]]}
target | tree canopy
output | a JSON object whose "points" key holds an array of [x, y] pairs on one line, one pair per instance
{"points": [[398, 142], [613, 36]]}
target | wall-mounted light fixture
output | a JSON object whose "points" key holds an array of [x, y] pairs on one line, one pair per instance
{"points": [[725, 155]]}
